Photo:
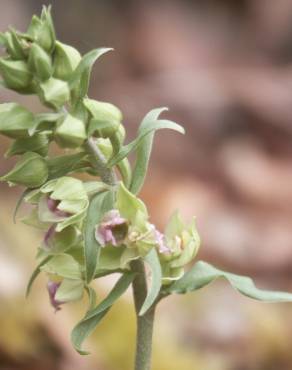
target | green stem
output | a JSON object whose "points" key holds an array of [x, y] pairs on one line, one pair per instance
{"points": [[145, 322], [99, 162]]}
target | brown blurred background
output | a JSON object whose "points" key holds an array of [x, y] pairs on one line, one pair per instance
{"points": [[224, 68]]}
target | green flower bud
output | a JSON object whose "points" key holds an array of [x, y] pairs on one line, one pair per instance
{"points": [[16, 74], [70, 132], [34, 27], [40, 62], [14, 45], [66, 59], [39, 143], [15, 120], [55, 93], [106, 117], [31, 171], [42, 30]]}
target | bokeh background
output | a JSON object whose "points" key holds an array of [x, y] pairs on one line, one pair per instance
{"points": [[224, 68]]}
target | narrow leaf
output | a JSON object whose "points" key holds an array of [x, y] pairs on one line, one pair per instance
{"points": [[152, 126], [144, 151], [19, 203], [81, 75], [156, 276], [35, 274], [64, 164], [87, 325], [203, 274], [99, 205]]}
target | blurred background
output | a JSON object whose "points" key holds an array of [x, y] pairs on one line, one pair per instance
{"points": [[224, 68]]}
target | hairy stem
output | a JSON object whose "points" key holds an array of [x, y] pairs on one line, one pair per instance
{"points": [[99, 162], [145, 322]]}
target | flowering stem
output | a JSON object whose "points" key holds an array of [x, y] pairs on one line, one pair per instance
{"points": [[99, 162], [145, 322]]}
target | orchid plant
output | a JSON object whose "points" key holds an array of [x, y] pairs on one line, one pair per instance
{"points": [[97, 227]]}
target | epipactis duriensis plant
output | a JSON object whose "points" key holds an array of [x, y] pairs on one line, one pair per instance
{"points": [[98, 227]]}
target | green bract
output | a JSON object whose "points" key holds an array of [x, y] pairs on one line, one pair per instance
{"points": [[97, 227]]}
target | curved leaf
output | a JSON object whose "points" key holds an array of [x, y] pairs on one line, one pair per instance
{"points": [[144, 151], [35, 274], [81, 74], [156, 275], [19, 203], [203, 274], [62, 165], [99, 205], [151, 127], [92, 318]]}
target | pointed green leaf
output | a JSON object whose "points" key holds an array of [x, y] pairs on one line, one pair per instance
{"points": [[35, 274], [64, 164], [203, 274], [144, 151], [81, 75], [156, 275], [99, 205], [87, 325], [19, 203], [150, 127]]}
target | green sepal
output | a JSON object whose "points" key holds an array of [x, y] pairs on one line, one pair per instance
{"points": [[39, 143], [61, 241], [129, 205], [14, 45], [70, 132], [16, 74], [40, 62], [31, 171], [70, 290], [63, 266], [106, 118], [43, 31], [15, 120], [66, 59], [54, 93]]}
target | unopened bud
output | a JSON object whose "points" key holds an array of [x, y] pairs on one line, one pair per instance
{"points": [[70, 132], [31, 171], [45, 33], [55, 93], [39, 143], [40, 62], [106, 117], [16, 74], [66, 59], [15, 120]]}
